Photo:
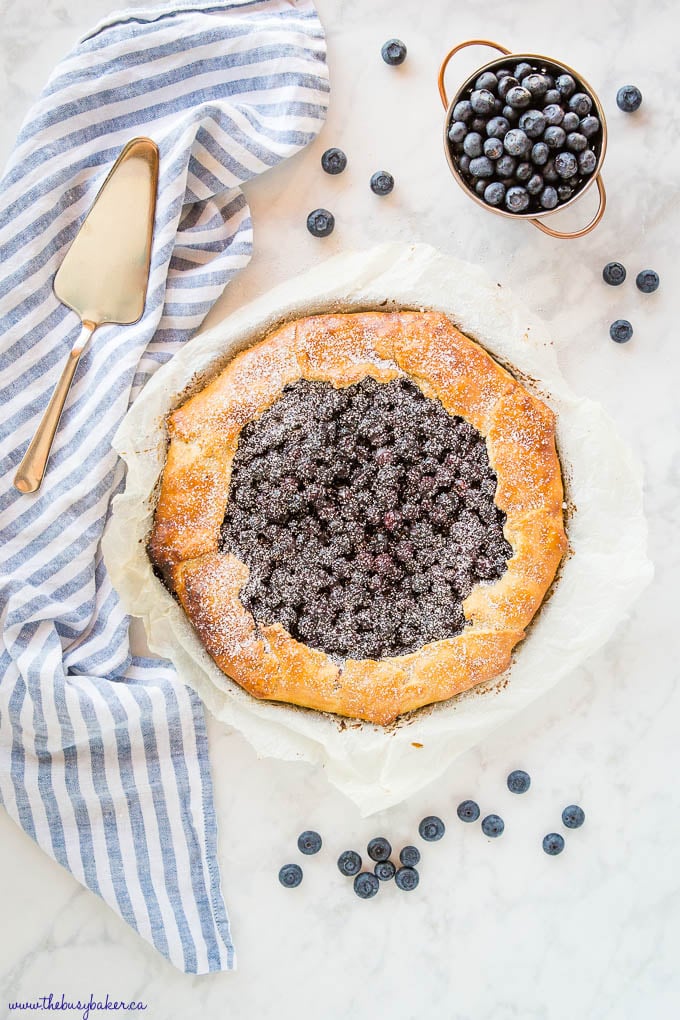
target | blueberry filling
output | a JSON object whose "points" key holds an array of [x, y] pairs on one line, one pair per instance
{"points": [[365, 515]]}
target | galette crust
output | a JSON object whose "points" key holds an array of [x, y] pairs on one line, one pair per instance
{"points": [[343, 349]]}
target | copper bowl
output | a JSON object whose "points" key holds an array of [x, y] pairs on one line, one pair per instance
{"points": [[550, 66]]}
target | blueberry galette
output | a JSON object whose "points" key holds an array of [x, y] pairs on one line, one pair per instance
{"points": [[361, 514]]}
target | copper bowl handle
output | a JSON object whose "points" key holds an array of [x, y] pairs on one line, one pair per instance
{"points": [[589, 226], [451, 53]]}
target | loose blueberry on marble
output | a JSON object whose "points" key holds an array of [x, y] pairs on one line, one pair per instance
{"points": [[553, 844], [320, 222], [409, 856], [468, 811], [309, 842], [393, 52], [493, 826], [384, 871], [628, 98], [647, 281], [614, 273], [334, 161], [621, 331], [573, 817], [431, 828], [407, 878], [349, 863], [519, 781], [366, 885], [379, 849], [290, 875], [382, 182]]}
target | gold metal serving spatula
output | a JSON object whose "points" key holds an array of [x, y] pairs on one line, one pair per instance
{"points": [[103, 278]]}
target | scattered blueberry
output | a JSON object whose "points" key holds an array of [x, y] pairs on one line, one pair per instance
{"points": [[382, 182], [628, 98], [647, 281], [349, 863], [320, 222], [290, 875], [573, 816], [468, 811], [409, 856], [431, 828], [519, 781], [620, 331], [334, 161], [553, 843], [393, 52], [366, 885], [493, 826], [309, 842], [384, 870], [379, 849], [614, 274], [407, 878]]}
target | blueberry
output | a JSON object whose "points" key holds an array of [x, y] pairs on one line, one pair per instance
{"points": [[349, 863], [614, 274], [581, 104], [505, 84], [505, 167], [573, 817], [468, 811], [533, 123], [478, 124], [524, 172], [535, 184], [565, 164], [481, 167], [464, 164], [550, 173], [548, 198], [540, 153], [565, 85], [587, 161], [431, 828], [493, 148], [589, 126], [382, 182], [407, 879], [564, 192], [620, 331], [628, 98], [493, 826], [334, 161], [519, 781], [487, 80], [516, 199], [384, 871], [290, 875], [537, 84], [571, 121], [497, 127], [576, 142], [553, 843], [462, 110], [516, 143], [366, 885], [647, 281], [309, 842], [518, 98], [511, 114], [522, 70], [482, 101], [553, 114], [393, 52], [494, 193], [481, 186], [551, 97], [409, 856], [320, 222], [554, 136], [503, 72], [379, 849], [457, 131], [472, 145]]}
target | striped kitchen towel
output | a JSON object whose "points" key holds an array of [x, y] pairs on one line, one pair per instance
{"points": [[103, 754]]}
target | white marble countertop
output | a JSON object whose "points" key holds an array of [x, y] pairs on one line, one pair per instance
{"points": [[497, 930]]}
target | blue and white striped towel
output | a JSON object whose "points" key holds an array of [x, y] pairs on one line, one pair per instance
{"points": [[103, 755]]}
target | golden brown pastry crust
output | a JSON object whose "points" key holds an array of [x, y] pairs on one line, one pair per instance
{"points": [[342, 349]]}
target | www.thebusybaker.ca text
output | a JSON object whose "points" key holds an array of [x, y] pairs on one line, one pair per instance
{"points": [[82, 1006]]}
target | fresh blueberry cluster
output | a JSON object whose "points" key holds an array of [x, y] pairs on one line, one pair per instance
{"points": [[525, 138], [365, 514], [646, 281]]}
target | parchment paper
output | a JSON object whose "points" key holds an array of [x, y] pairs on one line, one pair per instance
{"points": [[606, 570]]}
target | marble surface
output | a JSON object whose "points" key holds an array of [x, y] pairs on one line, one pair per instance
{"points": [[497, 930]]}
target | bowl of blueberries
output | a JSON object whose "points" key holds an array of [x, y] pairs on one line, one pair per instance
{"points": [[525, 136]]}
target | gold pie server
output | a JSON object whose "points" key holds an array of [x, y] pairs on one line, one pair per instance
{"points": [[103, 278]]}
